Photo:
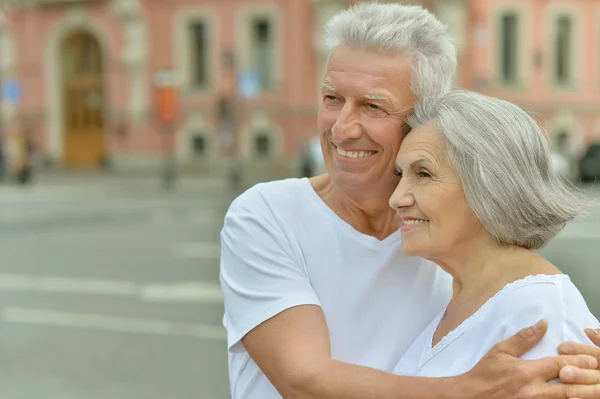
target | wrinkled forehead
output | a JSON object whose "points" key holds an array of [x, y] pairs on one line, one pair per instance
{"points": [[423, 141]]}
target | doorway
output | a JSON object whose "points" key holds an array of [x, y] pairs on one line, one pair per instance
{"points": [[83, 99]]}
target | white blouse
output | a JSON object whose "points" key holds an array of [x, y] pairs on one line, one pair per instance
{"points": [[518, 305]]}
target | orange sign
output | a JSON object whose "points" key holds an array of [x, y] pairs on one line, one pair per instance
{"points": [[166, 105], [166, 96]]}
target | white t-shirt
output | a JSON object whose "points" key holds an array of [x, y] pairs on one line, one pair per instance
{"points": [[518, 305], [282, 246]]}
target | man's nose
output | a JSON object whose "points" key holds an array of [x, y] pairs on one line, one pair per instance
{"points": [[401, 197], [347, 125]]}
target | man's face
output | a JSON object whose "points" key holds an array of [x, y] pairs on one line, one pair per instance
{"points": [[364, 101]]}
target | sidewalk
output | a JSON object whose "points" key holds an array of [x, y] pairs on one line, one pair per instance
{"points": [[100, 184]]}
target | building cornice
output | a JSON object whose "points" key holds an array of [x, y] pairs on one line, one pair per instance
{"points": [[38, 3]]}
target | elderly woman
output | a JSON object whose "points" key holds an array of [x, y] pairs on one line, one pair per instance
{"points": [[477, 196]]}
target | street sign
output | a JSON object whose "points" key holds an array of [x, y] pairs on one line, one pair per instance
{"points": [[166, 96], [11, 92], [249, 84]]}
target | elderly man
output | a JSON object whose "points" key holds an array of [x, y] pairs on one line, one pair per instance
{"points": [[319, 300]]}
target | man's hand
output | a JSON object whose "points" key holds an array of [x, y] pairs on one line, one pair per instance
{"points": [[501, 374], [573, 375]]}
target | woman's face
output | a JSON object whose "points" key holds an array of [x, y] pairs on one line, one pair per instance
{"points": [[436, 217]]}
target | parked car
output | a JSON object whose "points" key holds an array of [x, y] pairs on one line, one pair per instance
{"points": [[589, 166], [313, 163]]}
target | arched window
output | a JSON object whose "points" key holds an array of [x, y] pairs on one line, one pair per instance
{"points": [[561, 143], [198, 145], [563, 50], [262, 145], [509, 47]]}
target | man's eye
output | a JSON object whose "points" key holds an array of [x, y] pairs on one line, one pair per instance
{"points": [[374, 106], [330, 98]]}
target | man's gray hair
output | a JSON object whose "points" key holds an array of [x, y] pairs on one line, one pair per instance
{"points": [[398, 28], [502, 156]]}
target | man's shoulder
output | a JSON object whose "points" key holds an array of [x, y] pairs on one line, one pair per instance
{"points": [[272, 195]]}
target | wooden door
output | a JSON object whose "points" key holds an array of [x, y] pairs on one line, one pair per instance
{"points": [[83, 99]]}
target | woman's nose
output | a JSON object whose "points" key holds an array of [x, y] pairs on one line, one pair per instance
{"points": [[401, 197]]}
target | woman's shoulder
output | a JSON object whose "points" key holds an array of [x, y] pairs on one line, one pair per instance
{"points": [[539, 292], [550, 297]]}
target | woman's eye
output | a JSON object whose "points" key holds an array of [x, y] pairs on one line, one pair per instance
{"points": [[424, 174], [397, 173]]}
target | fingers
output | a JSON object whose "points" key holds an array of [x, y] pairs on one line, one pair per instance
{"points": [[550, 367], [562, 391], [582, 391], [573, 375], [594, 335], [524, 340], [576, 348]]}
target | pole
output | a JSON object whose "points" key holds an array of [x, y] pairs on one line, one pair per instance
{"points": [[2, 140], [168, 175]]}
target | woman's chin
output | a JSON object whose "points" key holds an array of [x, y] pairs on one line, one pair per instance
{"points": [[411, 250]]}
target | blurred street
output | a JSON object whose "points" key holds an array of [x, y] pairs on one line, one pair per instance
{"points": [[110, 291], [576, 251], [109, 288]]}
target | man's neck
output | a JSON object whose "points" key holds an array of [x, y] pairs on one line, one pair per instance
{"points": [[367, 210]]}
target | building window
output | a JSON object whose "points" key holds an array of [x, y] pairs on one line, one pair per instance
{"points": [[509, 30], [262, 145], [262, 51], [563, 50], [199, 54], [562, 141], [198, 144]]}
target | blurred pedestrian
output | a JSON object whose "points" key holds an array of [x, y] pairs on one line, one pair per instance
{"points": [[319, 300], [27, 151]]}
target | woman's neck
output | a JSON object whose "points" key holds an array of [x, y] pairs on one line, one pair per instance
{"points": [[479, 274]]}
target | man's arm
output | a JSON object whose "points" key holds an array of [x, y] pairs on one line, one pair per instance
{"points": [[293, 351]]}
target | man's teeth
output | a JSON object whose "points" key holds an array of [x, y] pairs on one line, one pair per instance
{"points": [[414, 221], [354, 154]]}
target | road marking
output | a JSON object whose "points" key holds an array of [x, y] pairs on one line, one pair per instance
{"points": [[183, 292], [197, 292], [198, 250], [193, 217], [68, 285], [111, 323]]}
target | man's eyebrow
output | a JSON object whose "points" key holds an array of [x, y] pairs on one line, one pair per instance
{"points": [[377, 97], [327, 86]]}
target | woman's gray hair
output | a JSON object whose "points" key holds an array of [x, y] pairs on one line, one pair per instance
{"points": [[503, 159], [399, 28]]}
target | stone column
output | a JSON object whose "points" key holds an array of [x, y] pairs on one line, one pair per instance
{"points": [[7, 61], [134, 57], [454, 13]]}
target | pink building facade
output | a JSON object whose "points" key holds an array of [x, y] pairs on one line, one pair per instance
{"points": [[88, 73], [543, 55]]}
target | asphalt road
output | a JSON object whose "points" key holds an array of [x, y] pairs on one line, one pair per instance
{"points": [[111, 296]]}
